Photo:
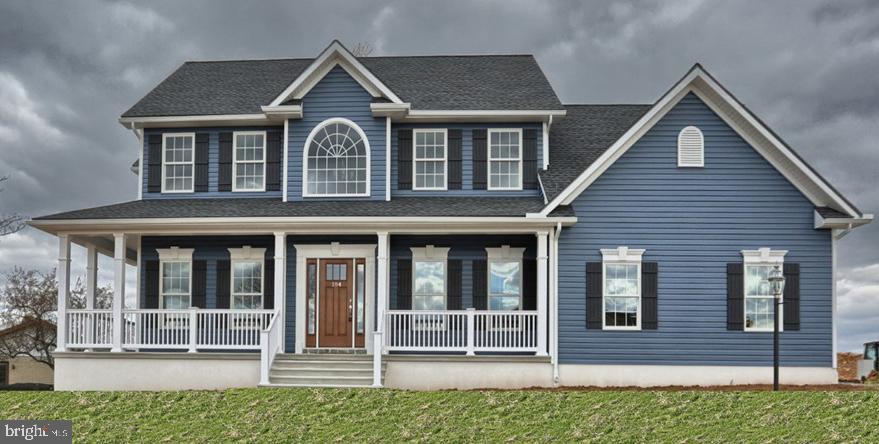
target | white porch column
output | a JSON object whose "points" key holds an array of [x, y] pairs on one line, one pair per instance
{"points": [[542, 256], [63, 276], [382, 288], [118, 288], [91, 277], [280, 280]]}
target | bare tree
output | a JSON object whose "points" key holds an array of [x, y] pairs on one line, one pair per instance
{"points": [[29, 301], [10, 223], [362, 49]]}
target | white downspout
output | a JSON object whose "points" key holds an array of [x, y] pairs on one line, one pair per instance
{"points": [[554, 301], [140, 166]]}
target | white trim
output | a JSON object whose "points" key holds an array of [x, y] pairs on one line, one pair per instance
{"points": [[834, 313], [624, 256], [339, 251], [846, 223], [445, 158], [140, 166], [284, 185], [698, 81], [429, 253], [195, 120], [173, 255], [387, 158], [761, 257], [191, 162], [283, 111], [505, 254], [701, 146], [488, 159], [335, 54], [305, 150], [252, 255], [545, 134], [235, 161]]}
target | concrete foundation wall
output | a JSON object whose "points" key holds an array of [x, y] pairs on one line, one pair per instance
{"points": [[443, 373], [155, 371], [573, 375]]}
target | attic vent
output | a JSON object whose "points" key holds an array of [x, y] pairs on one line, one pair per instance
{"points": [[691, 147]]}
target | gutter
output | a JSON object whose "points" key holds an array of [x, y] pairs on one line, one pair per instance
{"points": [[554, 296]]}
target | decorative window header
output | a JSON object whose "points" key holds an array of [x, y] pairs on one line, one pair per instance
{"points": [[247, 253], [622, 254], [175, 254], [764, 255], [429, 252]]}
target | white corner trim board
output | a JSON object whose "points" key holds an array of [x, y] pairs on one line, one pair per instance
{"points": [[701, 83]]}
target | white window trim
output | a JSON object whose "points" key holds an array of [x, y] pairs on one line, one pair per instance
{"points": [[701, 150], [445, 158], [235, 160], [505, 254], [247, 254], [429, 253], [489, 159], [165, 137], [305, 149], [173, 255], [621, 255], [761, 257]]}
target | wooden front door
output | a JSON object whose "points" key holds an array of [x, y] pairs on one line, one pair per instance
{"points": [[336, 303]]}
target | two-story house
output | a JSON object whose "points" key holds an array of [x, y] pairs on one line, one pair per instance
{"points": [[446, 222]]}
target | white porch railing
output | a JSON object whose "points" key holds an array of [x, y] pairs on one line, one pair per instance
{"points": [[191, 329], [270, 341], [469, 331]]}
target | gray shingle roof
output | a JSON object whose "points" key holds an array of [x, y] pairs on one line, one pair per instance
{"points": [[274, 207], [827, 212], [577, 140], [490, 82]]}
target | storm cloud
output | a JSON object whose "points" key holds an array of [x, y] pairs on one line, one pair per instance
{"points": [[807, 68]]}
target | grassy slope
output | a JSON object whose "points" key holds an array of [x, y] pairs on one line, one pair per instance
{"points": [[382, 415]]}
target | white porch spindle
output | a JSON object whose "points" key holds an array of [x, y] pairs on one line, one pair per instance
{"points": [[542, 256], [280, 274], [63, 276], [118, 289]]}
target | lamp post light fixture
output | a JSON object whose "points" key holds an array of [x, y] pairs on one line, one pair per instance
{"points": [[776, 285]]}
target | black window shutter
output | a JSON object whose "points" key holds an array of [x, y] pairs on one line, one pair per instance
{"points": [[480, 284], [594, 296], [151, 284], [199, 283], [455, 171], [274, 154], [735, 296], [529, 284], [225, 179], [529, 159], [404, 284], [455, 285], [649, 293], [223, 283], [201, 162], [268, 285], [154, 163], [791, 297], [480, 158], [404, 159]]}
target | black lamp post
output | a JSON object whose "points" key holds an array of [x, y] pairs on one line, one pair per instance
{"points": [[776, 284]]}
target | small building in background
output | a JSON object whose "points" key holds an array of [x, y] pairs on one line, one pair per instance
{"points": [[23, 369]]}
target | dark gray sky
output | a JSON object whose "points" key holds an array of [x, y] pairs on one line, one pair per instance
{"points": [[808, 68]]}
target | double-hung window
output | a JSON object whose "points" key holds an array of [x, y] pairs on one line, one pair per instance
{"points": [[247, 277], [505, 278], [759, 300], [175, 269], [505, 159], [178, 162], [622, 288], [429, 278], [249, 158], [429, 159]]}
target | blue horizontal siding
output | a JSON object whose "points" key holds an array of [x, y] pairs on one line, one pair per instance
{"points": [[466, 159], [213, 163], [336, 95], [692, 222]]}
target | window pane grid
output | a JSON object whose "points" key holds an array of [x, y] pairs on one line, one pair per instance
{"points": [[429, 289], [337, 162], [430, 159], [249, 162], [504, 159], [178, 162], [622, 294], [505, 285], [246, 284], [759, 299], [175, 285]]}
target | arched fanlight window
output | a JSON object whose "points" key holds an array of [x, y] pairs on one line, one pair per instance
{"points": [[336, 160], [691, 147]]}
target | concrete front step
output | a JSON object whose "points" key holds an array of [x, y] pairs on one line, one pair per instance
{"points": [[323, 357], [321, 364], [322, 370], [335, 381]]}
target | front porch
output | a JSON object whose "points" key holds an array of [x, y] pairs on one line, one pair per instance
{"points": [[356, 291]]}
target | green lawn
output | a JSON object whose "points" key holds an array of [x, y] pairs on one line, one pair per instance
{"points": [[359, 415]]}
